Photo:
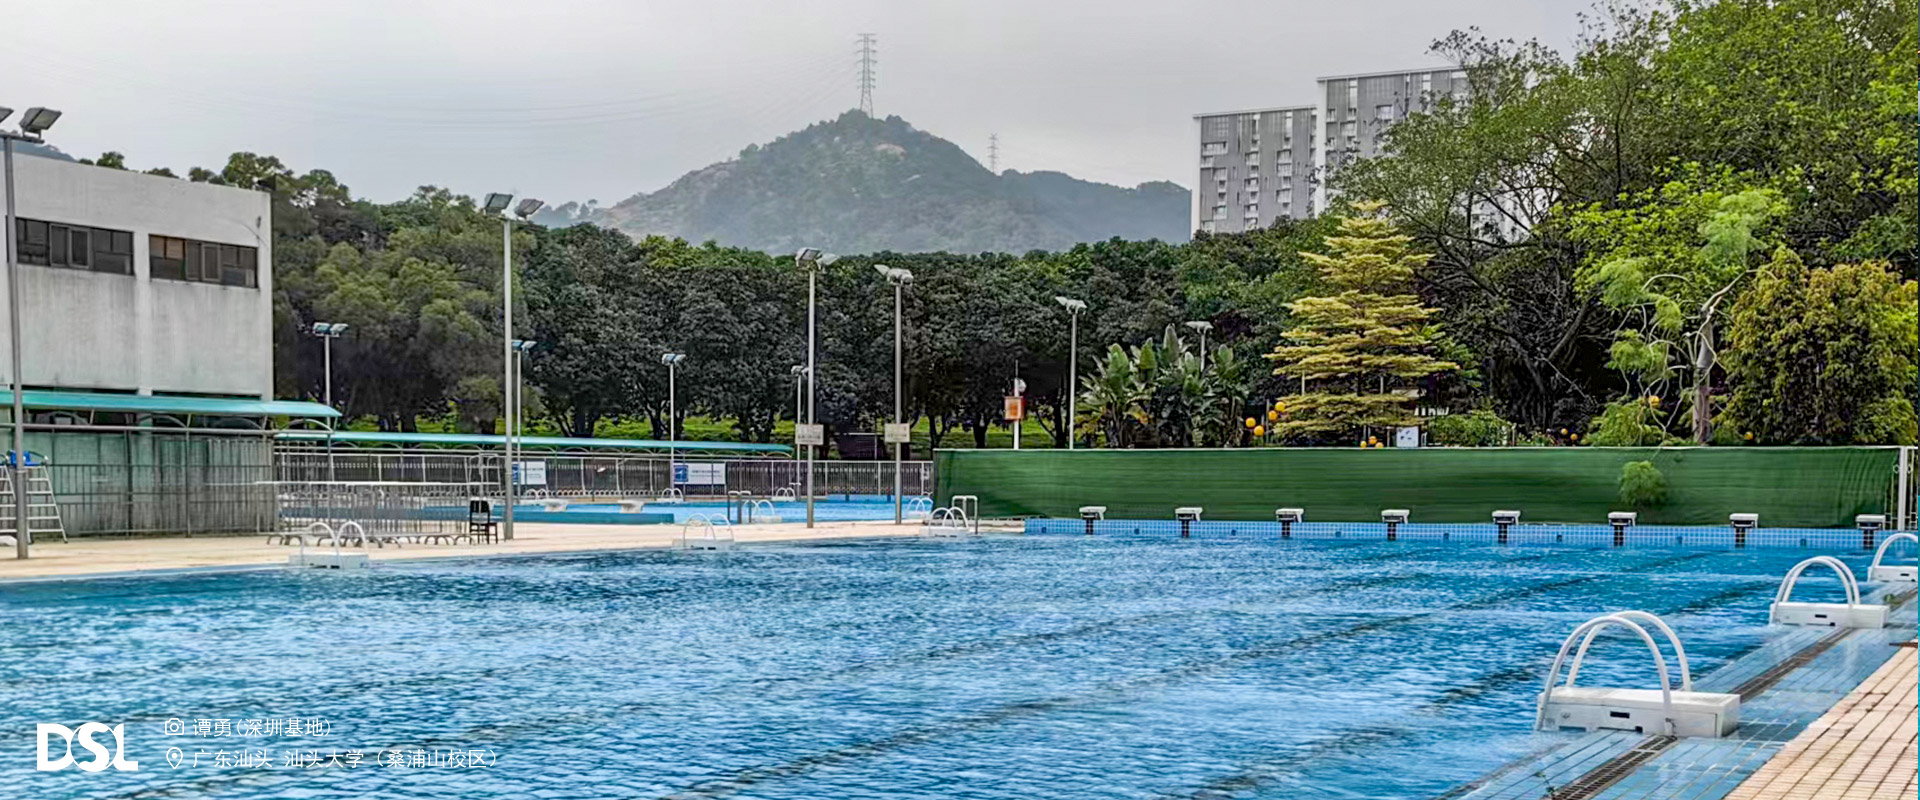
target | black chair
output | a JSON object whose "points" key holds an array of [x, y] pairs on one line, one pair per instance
{"points": [[480, 524]]}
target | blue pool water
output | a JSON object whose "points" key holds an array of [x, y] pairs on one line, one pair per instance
{"points": [[1017, 667]]}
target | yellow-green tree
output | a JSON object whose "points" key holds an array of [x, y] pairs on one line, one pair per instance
{"points": [[1362, 348]]}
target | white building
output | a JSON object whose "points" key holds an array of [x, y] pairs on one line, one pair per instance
{"points": [[134, 283]]}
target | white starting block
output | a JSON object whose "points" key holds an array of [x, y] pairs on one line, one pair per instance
{"points": [[1091, 513], [1651, 711], [323, 560], [1850, 614], [1893, 573], [552, 503], [631, 506]]}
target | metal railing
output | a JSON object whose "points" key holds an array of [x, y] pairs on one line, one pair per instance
{"points": [[393, 507], [163, 498], [580, 475]]}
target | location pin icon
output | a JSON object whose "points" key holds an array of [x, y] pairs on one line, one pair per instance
{"points": [[173, 757]]}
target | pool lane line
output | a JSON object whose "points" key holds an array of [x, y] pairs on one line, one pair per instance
{"points": [[1265, 773], [747, 778]]}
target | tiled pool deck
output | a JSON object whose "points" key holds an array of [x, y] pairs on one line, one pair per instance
{"points": [[1863, 749]]}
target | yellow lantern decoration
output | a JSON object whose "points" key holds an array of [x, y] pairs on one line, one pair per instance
{"points": [[1573, 437], [1749, 436], [1653, 400], [1563, 431], [1251, 423], [1259, 430], [1273, 416]]}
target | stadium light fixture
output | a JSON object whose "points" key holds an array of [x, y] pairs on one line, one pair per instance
{"points": [[527, 208], [496, 202], [37, 120]]}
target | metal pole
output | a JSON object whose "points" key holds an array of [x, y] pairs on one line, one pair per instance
{"points": [[671, 404], [326, 344], [810, 389], [899, 405], [506, 342], [1903, 486], [18, 463], [1073, 372]]}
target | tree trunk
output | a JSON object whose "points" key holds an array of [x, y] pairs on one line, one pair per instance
{"points": [[1702, 378]]}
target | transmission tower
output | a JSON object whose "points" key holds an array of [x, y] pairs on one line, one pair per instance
{"points": [[993, 153], [867, 60]]}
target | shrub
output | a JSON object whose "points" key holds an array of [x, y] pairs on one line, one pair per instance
{"points": [[1642, 484], [1478, 428]]}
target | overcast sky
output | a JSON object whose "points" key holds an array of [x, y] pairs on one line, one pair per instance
{"points": [[578, 99]]}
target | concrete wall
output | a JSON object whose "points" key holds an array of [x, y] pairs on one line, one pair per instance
{"points": [[99, 331]]}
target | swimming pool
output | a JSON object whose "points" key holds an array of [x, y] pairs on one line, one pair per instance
{"points": [[1015, 667]]}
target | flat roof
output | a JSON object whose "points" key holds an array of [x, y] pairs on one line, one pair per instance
{"points": [[553, 442], [1388, 72], [1254, 111], [167, 404]]}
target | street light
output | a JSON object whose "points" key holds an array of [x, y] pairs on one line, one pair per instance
{"points": [[899, 278], [1074, 309], [520, 348], [672, 360], [33, 123], [329, 331], [799, 370], [496, 203], [811, 259], [1202, 326]]}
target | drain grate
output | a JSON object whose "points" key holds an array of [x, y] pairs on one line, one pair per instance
{"points": [[1599, 778], [1765, 680]]}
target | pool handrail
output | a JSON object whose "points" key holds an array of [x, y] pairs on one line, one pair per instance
{"points": [[1679, 650], [1880, 552], [1659, 662], [1785, 592]]}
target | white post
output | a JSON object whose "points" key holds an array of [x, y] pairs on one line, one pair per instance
{"points": [[810, 391], [326, 344], [1073, 372], [506, 388], [18, 462], [1903, 485], [672, 404], [899, 412]]}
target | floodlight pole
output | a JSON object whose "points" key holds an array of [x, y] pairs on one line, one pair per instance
{"points": [[811, 274], [17, 463], [1073, 371], [506, 341]]}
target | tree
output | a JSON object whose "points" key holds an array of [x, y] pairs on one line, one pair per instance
{"points": [[1670, 259], [1363, 342], [1825, 356]]}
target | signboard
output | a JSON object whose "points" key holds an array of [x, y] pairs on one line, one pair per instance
{"points": [[701, 473], [1016, 408], [809, 434], [1406, 437], [898, 433], [530, 473]]}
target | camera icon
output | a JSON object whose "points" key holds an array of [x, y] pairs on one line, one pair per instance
{"points": [[175, 727]]}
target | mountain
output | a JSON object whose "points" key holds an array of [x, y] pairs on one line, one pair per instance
{"points": [[859, 185]]}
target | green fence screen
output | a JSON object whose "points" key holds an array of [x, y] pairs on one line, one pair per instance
{"points": [[1786, 486]]}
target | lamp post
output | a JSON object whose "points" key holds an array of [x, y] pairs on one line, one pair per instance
{"points": [[520, 348], [329, 331], [1074, 309], [672, 360], [1202, 326], [496, 203], [34, 122], [811, 259], [899, 278]]}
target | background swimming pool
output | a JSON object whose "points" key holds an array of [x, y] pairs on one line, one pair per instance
{"points": [[833, 508], [1019, 667]]}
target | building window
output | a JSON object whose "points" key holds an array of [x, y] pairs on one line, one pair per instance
{"points": [[55, 244], [1383, 113], [179, 259]]}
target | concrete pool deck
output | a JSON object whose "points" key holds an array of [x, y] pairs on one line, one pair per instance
{"points": [[96, 557]]}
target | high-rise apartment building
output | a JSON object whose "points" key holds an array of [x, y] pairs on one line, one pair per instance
{"points": [[1355, 110], [1255, 167], [1268, 164]]}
